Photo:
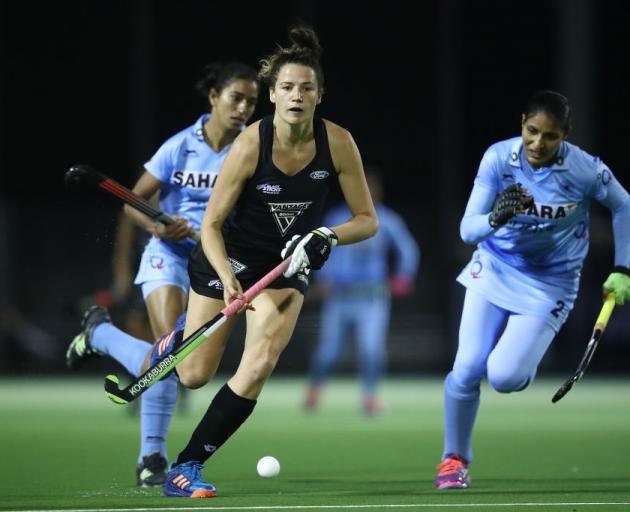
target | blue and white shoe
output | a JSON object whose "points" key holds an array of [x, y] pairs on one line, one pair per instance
{"points": [[184, 481], [80, 348]]}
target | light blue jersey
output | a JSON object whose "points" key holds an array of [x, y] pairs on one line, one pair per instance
{"points": [[532, 264], [366, 262], [188, 169], [523, 278], [358, 298]]}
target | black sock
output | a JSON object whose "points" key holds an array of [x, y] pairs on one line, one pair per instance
{"points": [[226, 414]]}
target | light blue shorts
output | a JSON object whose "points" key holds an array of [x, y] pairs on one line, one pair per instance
{"points": [[516, 291], [160, 267]]}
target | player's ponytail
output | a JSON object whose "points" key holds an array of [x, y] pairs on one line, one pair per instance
{"points": [[304, 49]]}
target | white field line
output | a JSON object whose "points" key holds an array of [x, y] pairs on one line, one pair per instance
{"points": [[338, 507]]}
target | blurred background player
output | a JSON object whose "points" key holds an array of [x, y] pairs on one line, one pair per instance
{"points": [[356, 286], [181, 176], [528, 213]]}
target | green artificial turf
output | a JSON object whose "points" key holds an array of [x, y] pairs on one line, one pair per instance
{"points": [[65, 446]]}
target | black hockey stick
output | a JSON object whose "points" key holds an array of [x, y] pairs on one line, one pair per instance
{"points": [[598, 330], [80, 174], [163, 367]]}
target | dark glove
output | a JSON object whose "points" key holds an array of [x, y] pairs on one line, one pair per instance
{"points": [[511, 201], [309, 251]]}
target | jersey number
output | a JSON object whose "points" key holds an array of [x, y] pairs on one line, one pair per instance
{"points": [[556, 311]]}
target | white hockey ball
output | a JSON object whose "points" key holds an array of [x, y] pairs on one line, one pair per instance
{"points": [[268, 467]]}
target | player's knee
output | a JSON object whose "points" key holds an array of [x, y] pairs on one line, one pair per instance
{"points": [[193, 378], [372, 354], [326, 358], [505, 382], [467, 376]]}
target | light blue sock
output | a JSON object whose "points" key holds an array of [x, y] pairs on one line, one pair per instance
{"points": [[370, 376], [460, 412], [156, 410], [117, 344]]}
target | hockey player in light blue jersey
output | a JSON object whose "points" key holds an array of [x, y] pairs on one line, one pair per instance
{"points": [[356, 286], [528, 215], [182, 174]]}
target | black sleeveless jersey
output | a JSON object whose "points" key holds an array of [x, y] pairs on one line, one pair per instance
{"points": [[273, 206]]}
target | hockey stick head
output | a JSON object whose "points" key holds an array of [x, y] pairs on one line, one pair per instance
{"points": [[564, 389], [113, 391], [81, 174], [598, 330], [586, 360]]}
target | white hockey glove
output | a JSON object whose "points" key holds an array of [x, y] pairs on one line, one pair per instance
{"points": [[309, 251]]}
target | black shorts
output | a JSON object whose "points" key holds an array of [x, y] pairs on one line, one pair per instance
{"points": [[248, 268]]}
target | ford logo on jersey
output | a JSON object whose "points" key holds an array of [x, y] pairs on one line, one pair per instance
{"points": [[319, 175]]}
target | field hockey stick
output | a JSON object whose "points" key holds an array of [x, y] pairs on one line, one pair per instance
{"points": [[85, 174], [598, 330], [163, 367]]}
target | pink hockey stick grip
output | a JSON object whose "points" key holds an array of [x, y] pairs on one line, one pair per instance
{"points": [[256, 288]]}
